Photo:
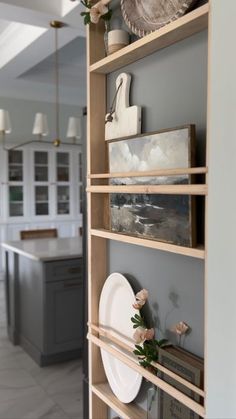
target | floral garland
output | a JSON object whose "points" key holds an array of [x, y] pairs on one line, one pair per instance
{"points": [[147, 347]]}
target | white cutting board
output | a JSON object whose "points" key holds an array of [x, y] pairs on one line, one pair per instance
{"points": [[126, 119]]}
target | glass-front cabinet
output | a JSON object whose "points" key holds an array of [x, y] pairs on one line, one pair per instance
{"points": [[41, 183], [15, 183], [80, 178], [63, 183]]}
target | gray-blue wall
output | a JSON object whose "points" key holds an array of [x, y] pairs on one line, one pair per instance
{"points": [[171, 87]]}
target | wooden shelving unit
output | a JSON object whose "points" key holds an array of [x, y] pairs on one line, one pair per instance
{"points": [[150, 189], [130, 411], [186, 26], [98, 191], [128, 359], [166, 172], [197, 252]]}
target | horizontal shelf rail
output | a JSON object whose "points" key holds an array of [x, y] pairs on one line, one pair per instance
{"points": [[196, 252], [129, 348], [150, 189], [182, 28], [126, 411], [157, 173], [169, 389]]}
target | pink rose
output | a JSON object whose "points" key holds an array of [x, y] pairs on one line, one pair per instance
{"points": [[149, 334], [180, 328], [141, 334], [139, 304], [141, 298], [142, 295], [97, 11]]}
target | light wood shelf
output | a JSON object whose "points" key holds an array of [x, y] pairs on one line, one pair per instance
{"points": [[182, 28], [100, 395], [116, 338], [197, 252], [126, 411], [161, 384], [150, 189], [150, 173]]}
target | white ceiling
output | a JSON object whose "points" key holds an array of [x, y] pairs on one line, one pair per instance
{"points": [[27, 47]]}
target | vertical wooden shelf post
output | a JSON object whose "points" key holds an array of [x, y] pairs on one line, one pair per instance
{"points": [[97, 265]]}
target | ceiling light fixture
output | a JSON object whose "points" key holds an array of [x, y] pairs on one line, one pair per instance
{"points": [[40, 127], [74, 129], [5, 124], [56, 24]]}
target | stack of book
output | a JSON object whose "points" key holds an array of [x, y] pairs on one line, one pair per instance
{"points": [[188, 366]]}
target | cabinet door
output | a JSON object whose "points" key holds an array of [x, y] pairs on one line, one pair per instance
{"points": [[63, 316], [16, 191], [80, 180], [63, 179], [41, 183]]}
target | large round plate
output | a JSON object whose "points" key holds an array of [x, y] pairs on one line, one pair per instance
{"points": [[115, 311], [145, 16]]}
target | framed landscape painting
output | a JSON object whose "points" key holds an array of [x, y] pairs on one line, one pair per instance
{"points": [[168, 218]]}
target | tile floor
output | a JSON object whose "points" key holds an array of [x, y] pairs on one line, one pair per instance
{"points": [[30, 392]]}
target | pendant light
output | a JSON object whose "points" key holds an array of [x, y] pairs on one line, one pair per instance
{"points": [[56, 24], [74, 130], [5, 125], [40, 126]]}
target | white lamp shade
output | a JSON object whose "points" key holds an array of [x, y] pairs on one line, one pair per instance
{"points": [[74, 128], [5, 123], [40, 124]]}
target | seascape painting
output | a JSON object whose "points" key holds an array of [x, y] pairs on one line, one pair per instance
{"points": [[168, 218]]}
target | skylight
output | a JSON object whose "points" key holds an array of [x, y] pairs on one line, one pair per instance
{"points": [[15, 38]]}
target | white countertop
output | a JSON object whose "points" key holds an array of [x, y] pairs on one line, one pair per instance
{"points": [[47, 249]]}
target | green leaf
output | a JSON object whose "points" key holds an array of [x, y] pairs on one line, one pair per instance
{"points": [[139, 347], [133, 320], [137, 352], [87, 19], [137, 316], [163, 342], [135, 326], [108, 15]]}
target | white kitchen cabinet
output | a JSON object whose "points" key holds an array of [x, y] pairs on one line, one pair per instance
{"points": [[39, 189]]}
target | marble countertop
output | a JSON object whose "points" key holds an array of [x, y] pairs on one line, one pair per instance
{"points": [[46, 249]]}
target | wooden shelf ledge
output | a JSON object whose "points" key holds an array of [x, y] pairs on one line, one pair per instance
{"points": [[150, 189], [197, 252], [182, 28], [163, 385], [157, 173], [116, 338], [126, 411]]}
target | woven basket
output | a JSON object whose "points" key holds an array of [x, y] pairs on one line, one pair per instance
{"points": [[146, 16]]}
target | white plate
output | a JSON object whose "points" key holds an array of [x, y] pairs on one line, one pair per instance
{"points": [[115, 312]]}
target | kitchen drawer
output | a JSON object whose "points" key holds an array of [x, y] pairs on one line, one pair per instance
{"points": [[66, 269]]}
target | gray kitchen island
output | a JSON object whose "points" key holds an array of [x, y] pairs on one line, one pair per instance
{"points": [[44, 297]]}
